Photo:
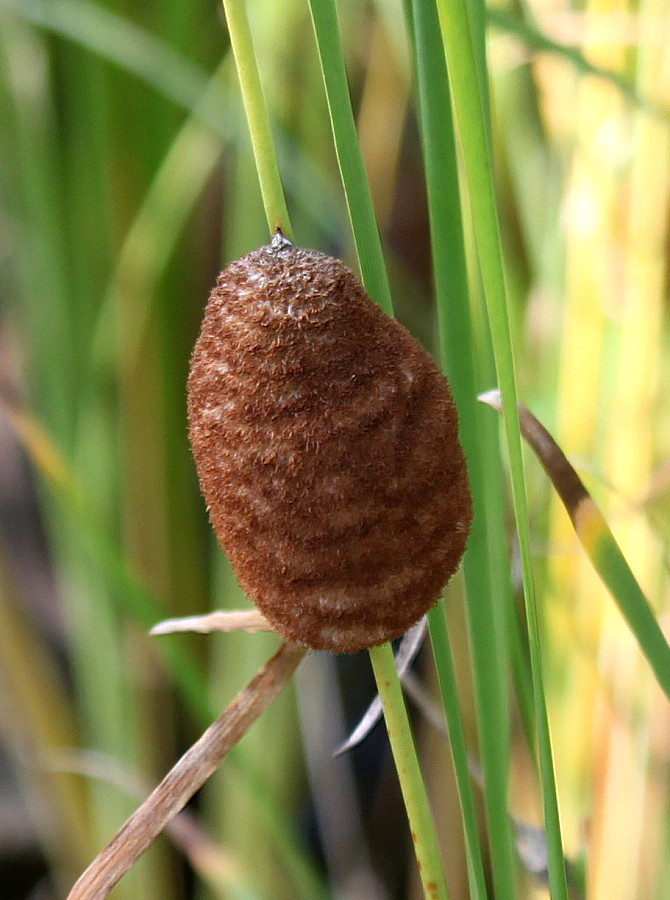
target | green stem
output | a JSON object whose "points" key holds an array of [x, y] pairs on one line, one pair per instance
{"points": [[257, 116], [409, 774], [459, 354], [471, 115], [347, 148], [444, 665]]}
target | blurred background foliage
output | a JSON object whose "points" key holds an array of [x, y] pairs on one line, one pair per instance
{"points": [[126, 181]]}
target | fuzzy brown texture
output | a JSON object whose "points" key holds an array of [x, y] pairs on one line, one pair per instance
{"points": [[326, 443]]}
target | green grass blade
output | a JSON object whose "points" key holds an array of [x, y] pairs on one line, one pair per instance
{"points": [[599, 544], [458, 358], [444, 665], [409, 774], [470, 108], [29, 136], [616, 574], [354, 179], [257, 116]]}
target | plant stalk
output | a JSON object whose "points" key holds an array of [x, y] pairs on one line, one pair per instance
{"points": [[409, 773], [257, 117]]}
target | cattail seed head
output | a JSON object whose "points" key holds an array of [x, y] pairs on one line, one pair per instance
{"points": [[326, 443]]}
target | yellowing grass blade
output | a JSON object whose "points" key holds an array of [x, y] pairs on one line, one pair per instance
{"points": [[598, 542]]}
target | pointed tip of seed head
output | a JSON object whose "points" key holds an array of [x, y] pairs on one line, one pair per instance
{"points": [[279, 242]]}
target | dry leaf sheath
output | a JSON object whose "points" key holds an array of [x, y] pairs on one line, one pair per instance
{"points": [[186, 777], [326, 443]]}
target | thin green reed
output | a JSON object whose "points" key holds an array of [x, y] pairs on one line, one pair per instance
{"points": [[352, 170], [470, 105], [458, 350], [257, 117]]}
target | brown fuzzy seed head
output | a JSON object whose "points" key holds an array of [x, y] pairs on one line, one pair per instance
{"points": [[327, 449]]}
